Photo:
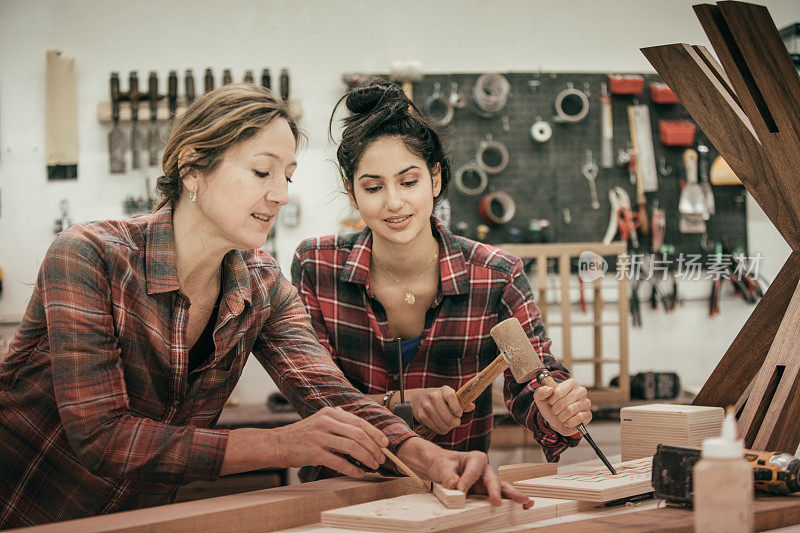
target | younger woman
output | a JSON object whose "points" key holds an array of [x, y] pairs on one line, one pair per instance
{"points": [[407, 277]]}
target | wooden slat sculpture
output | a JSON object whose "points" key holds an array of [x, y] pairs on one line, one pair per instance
{"points": [[750, 110]]}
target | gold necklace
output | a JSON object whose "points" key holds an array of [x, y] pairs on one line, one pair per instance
{"points": [[409, 297]]}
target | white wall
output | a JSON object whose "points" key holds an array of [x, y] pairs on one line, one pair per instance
{"points": [[318, 40]]}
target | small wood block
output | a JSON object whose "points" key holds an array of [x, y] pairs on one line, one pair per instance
{"points": [[450, 498], [518, 472], [594, 484]]}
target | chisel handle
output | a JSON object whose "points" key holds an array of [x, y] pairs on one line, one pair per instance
{"points": [[188, 81], [470, 390], [115, 97]]}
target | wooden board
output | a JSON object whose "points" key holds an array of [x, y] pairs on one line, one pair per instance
{"points": [[594, 484], [518, 472], [770, 512], [423, 512], [774, 398], [258, 511]]}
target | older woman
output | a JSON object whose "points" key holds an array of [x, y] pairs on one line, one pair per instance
{"points": [[138, 330]]}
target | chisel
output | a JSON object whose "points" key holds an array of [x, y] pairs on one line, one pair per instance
{"points": [[133, 98], [153, 142], [116, 139], [188, 82]]}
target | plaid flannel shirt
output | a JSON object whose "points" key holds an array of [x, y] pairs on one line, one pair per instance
{"points": [[479, 286], [97, 410]]}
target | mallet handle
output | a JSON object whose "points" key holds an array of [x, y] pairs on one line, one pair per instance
{"points": [[470, 390]]}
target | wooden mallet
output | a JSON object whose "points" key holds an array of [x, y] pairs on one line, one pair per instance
{"points": [[524, 364], [516, 353]]}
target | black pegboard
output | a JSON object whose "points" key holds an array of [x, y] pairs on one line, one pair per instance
{"points": [[544, 179]]}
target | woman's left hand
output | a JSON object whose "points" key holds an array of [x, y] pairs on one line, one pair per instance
{"points": [[464, 471], [564, 407]]}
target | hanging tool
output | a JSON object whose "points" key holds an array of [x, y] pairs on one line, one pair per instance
{"points": [[623, 219], [518, 353], [457, 100], [188, 83], [406, 73], [61, 117], [589, 171], [692, 202], [773, 472], [133, 98], [722, 174], [705, 184], [284, 84], [266, 78], [116, 139], [153, 142], [606, 128], [658, 225], [572, 105], [208, 81], [64, 221], [646, 174], [172, 94]]}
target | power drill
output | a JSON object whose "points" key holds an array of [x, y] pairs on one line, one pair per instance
{"points": [[774, 472]]}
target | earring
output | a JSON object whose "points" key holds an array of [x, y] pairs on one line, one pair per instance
{"points": [[193, 195]]}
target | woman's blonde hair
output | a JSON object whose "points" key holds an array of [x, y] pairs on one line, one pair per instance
{"points": [[211, 125]]}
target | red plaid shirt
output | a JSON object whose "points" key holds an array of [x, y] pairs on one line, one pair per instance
{"points": [[97, 410], [480, 286]]}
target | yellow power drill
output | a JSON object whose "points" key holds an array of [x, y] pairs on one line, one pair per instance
{"points": [[775, 472]]}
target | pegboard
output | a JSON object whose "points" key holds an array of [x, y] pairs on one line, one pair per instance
{"points": [[545, 179]]}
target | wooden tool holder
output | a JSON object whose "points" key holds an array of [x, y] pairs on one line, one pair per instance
{"points": [[162, 112], [750, 109], [563, 254]]}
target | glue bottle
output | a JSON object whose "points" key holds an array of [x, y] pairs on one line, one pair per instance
{"points": [[723, 484]]}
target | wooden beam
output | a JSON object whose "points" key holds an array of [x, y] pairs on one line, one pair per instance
{"points": [[263, 510], [719, 115], [747, 353]]}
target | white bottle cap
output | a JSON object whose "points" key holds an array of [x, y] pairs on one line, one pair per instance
{"points": [[725, 446]]}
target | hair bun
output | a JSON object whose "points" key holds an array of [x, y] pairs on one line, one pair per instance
{"points": [[365, 97]]}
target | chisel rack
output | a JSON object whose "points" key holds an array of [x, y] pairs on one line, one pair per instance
{"points": [[749, 106], [564, 255]]}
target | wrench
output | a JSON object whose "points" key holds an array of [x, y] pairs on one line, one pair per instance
{"points": [[589, 170]]}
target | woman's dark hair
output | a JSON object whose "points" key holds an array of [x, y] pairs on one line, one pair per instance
{"points": [[379, 109], [213, 124]]}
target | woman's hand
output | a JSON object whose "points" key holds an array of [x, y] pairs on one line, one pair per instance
{"points": [[438, 408], [464, 471], [564, 407], [325, 437]]}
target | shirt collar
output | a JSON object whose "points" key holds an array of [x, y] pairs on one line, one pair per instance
{"points": [[161, 271], [453, 274]]}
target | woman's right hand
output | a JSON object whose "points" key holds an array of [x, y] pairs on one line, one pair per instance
{"points": [[325, 437], [438, 408]]}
